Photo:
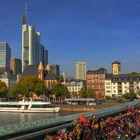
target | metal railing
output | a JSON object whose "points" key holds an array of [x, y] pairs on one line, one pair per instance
{"points": [[32, 129]]}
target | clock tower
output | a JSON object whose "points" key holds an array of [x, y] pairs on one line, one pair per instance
{"points": [[116, 68]]}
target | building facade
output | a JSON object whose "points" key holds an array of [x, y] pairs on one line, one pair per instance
{"points": [[5, 55], [81, 70], [45, 62], [9, 80], [74, 86], [38, 71], [116, 68], [15, 66], [121, 84], [115, 84], [96, 81], [32, 49]]}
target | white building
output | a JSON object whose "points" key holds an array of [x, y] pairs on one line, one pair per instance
{"points": [[117, 85], [81, 70], [9, 80], [75, 86]]}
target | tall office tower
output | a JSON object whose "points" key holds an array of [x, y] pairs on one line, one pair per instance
{"points": [[42, 54], [55, 69], [5, 55], [15, 66], [81, 70], [45, 57], [32, 50], [116, 68]]}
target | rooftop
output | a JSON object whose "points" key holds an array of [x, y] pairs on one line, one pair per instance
{"points": [[123, 77], [98, 71], [116, 62]]}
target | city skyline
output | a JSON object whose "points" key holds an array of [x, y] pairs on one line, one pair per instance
{"points": [[96, 32]]}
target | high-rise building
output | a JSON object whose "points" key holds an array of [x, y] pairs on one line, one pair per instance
{"points": [[45, 57], [32, 49], [15, 66], [5, 55], [81, 70], [42, 54], [116, 68]]}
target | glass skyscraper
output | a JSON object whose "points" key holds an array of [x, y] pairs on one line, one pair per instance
{"points": [[45, 62], [5, 55], [32, 49]]}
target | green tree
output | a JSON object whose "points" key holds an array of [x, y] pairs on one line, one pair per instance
{"points": [[29, 86], [130, 95], [60, 91], [90, 93], [83, 93], [134, 73], [16, 91], [3, 88], [74, 94], [40, 89]]}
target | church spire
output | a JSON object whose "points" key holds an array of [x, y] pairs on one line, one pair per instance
{"points": [[40, 71], [40, 67]]}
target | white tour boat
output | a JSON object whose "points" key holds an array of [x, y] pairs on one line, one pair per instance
{"points": [[28, 106]]}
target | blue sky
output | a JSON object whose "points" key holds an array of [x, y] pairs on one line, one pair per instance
{"points": [[95, 31]]}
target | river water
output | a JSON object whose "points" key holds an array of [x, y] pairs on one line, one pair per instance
{"points": [[10, 118]]}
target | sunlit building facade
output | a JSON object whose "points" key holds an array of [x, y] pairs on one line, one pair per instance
{"points": [[121, 84], [75, 86], [81, 70], [15, 66], [116, 68], [32, 49], [96, 81]]}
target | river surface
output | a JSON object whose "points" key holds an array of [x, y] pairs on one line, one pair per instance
{"points": [[10, 118]]}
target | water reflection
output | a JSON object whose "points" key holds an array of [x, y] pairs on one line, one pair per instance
{"points": [[9, 118]]}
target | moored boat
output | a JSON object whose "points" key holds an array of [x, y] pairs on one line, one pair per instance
{"points": [[28, 106]]}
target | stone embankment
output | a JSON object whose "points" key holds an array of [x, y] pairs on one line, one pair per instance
{"points": [[83, 108], [76, 108]]}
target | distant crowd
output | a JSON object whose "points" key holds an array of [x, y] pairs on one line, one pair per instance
{"points": [[121, 126]]}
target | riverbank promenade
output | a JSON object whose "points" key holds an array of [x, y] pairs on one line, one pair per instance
{"points": [[118, 120]]}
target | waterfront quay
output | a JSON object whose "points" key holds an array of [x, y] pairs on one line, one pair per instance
{"points": [[84, 108], [40, 129]]}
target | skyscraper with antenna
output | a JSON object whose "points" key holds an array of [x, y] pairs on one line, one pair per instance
{"points": [[31, 45], [24, 17]]}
